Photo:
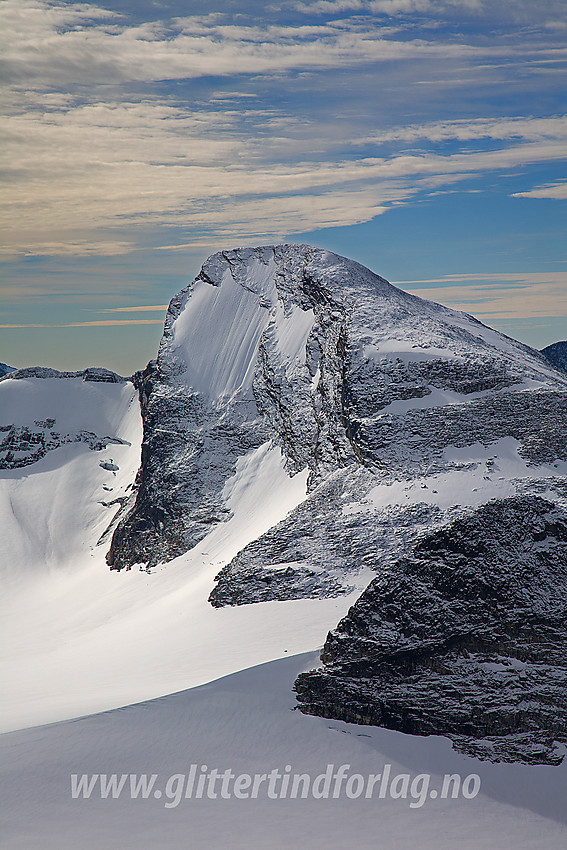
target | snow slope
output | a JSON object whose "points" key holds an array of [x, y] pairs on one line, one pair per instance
{"points": [[76, 637], [89, 639], [52, 511], [244, 723]]}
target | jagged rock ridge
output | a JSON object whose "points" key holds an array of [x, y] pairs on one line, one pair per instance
{"points": [[465, 636]]}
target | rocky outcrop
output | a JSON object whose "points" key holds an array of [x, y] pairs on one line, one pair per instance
{"points": [[416, 441], [465, 636], [321, 550], [23, 445]]}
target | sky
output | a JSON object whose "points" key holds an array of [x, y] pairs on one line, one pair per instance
{"points": [[426, 139]]}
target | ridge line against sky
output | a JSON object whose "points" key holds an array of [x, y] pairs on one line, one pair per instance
{"points": [[425, 139]]}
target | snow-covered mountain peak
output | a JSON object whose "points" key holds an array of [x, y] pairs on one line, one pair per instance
{"points": [[215, 327], [317, 356]]}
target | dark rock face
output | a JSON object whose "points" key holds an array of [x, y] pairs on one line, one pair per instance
{"points": [[557, 355], [416, 440], [21, 445], [5, 369], [189, 451], [465, 636]]}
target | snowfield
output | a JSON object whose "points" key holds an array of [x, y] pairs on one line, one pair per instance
{"points": [[244, 723], [78, 638]]}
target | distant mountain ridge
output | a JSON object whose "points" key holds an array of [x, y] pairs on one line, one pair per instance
{"points": [[23, 444], [557, 354]]}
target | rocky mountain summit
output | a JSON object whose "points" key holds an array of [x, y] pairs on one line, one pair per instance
{"points": [[464, 636], [355, 382]]}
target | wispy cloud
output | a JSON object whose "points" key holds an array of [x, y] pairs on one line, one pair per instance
{"points": [[68, 247], [385, 7], [115, 164], [49, 44], [146, 308], [520, 128], [548, 13], [90, 167], [497, 296], [549, 190]]}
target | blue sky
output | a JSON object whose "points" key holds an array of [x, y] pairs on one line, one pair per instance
{"points": [[424, 138]]}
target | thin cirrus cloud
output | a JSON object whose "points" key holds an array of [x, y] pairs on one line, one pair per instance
{"points": [[45, 43], [87, 165], [557, 191], [462, 129], [498, 296], [385, 7], [102, 323], [146, 308], [548, 13]]}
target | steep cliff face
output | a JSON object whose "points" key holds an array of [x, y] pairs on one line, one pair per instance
{"points": [[357, 383], [465, 636]]}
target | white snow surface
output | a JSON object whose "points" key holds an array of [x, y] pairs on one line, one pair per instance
{"points": [[50, 511], [243, 723], [216, 337], [76, 637]]}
